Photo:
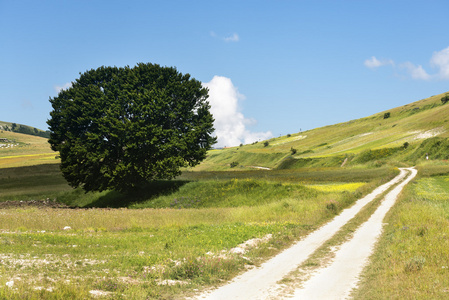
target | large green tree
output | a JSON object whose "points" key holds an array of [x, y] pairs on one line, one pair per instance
{"points": [[118, 128]]}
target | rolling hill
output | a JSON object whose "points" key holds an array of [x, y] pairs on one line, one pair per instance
{"points": [[394, 135], [21, 149], [25, 129], [397, 136]]}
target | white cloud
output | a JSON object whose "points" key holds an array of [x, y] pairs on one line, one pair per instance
{"points": [[232, 38], [440, 60], [373, 62], [416, 72], [230, 124], [65, 86]]}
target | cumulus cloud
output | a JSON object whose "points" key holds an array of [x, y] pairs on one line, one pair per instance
{"points": [[373, 62], [439, 60], [230, 124], [416, 72], [65, 86]]}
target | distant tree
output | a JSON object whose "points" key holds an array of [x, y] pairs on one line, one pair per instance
{"points": [[386, 115], [405, 145], [234, 164], [445, 99], [293, 150], [120, 128], [266, 143], [25, 130], [13, 126]]}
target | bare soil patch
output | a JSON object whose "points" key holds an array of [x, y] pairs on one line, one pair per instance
{"points": [[32, 203]]}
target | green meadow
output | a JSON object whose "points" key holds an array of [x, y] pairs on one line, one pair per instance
{"points": [[172, 239]]}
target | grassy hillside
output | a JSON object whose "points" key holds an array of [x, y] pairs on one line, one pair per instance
{"points": [[25, 129], [331, 145], [24, 150]]}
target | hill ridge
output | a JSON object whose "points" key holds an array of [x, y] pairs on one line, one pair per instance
{"points": [[403, 126], [25, 129]]}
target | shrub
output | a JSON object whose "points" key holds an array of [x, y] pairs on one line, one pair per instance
{"points": [[293, 151], [436, 146], [386, 115], [266, 143], [415, 264], [234, 164], [332, 206], [445, 99], [377, 154]]}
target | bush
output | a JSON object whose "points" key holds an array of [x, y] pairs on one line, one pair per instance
{"points": [[293, 151], [266, 143], [386, 115], [415, 264], [234, 164], [445, 99], [437, 147], [372, 155]]}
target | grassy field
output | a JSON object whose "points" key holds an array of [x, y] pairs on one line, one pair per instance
{"points": [[25, 150], [172, 238], [183, 238]]}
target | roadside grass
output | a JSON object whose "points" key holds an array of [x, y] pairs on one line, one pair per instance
{"points": [[163, 252], [323, 256], [412, 258], [136, 251]]}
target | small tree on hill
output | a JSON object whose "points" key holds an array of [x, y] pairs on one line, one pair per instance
{"points": [[445, 99], [119, 128]]}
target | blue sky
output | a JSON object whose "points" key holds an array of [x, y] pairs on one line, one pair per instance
{"points": [[273, 67]]}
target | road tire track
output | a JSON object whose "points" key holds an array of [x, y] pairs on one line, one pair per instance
{"points": [[260, 282], [337, 280]]}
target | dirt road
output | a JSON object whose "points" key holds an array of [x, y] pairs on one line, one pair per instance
{"points": [[329, 283]]}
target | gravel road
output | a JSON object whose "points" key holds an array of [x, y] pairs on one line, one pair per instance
{"points": [[333, 282]]}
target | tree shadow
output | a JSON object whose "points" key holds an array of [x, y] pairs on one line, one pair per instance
{"points": [[152, 190]]}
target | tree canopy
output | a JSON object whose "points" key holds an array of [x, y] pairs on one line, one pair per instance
{"points": [[118, 128]]}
